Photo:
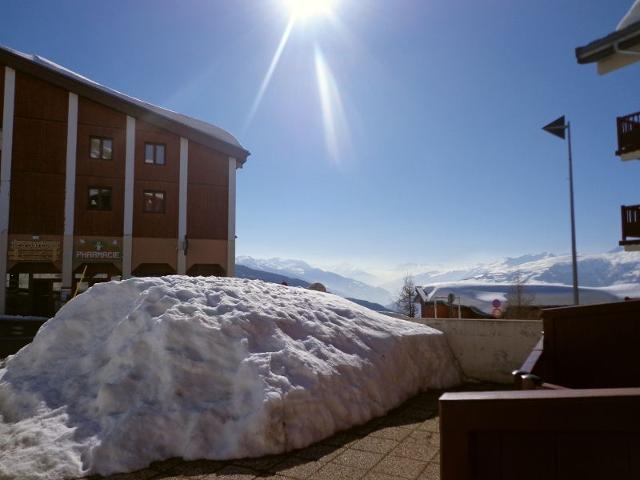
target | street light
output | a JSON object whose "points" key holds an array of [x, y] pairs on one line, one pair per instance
{"points": [[558, 128]]}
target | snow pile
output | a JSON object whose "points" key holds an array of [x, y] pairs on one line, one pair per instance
{"points": [[147, 369]]}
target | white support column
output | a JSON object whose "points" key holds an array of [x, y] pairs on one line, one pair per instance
{"points": [[129, 170], [70, 192], [5, 176], [231, 244], [182, 206]]}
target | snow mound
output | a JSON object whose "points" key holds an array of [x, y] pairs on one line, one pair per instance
{"points": [[151, 368]]}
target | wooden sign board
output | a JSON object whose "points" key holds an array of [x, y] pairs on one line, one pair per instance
{"points": [[34, 251]]}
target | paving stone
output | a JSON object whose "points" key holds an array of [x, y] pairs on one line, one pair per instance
{"points": [[358, 459], [341, 440], [319, 452], [431, 425], [418, 414], [369, 427], [416, 450], [230, 472], [375, 444], [261, 464], [392, 433], [298, 468], [400, 467], [432, 472], [421, 436], [335, 471], [197, 467], [381, 476]]}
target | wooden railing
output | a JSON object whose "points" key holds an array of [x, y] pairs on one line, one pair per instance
{"points": [[540, 434], [628, 133], [577, 416], [630, 223]]}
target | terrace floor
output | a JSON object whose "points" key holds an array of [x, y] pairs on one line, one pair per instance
{"points": [[403, 445]]}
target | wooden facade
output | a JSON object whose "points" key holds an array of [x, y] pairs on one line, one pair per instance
{"points": [[70, 134], [38, 158]]}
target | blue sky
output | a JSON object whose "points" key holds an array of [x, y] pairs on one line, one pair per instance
{"points": [[440, 157]]}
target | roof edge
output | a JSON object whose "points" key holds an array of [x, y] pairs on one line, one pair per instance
{"points": [[109, 97], [606, 46]]}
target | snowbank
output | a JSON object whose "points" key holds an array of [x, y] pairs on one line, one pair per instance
{"points": [[147, 369]]}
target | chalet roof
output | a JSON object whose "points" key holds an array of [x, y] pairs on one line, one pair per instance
{"points": [[198, 130]]}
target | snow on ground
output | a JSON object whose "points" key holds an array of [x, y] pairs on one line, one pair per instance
{"points": [[147, 369]]}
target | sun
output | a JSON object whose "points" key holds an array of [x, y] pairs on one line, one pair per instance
{"points": [[304, 9]]}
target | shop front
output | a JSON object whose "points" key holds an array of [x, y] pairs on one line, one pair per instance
{"points": [[96, 260], [34, 277]]}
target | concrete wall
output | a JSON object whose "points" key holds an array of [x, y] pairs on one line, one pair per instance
{"points": [[489, 350]]}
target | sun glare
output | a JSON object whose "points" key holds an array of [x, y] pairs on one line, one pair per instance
{"points": [[303, 9]]}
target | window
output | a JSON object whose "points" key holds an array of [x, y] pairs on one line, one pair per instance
{"points": [[101, 148], [99, 198], [154, 153], [153, 201]]}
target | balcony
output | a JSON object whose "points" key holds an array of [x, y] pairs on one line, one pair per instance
{"points": [[630, 225], [629, 137]]}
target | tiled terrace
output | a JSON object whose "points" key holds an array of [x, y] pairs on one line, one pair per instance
{"points": [[404, 444]]}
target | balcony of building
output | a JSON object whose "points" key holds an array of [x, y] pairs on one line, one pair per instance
{"points": [[630, 227], [629, 136]]}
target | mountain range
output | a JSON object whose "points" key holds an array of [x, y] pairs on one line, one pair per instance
{"points": [[242, 271], [338, 284], [596, 270]]}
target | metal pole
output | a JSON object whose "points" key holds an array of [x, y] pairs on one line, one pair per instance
{"points": [[576, 297]]}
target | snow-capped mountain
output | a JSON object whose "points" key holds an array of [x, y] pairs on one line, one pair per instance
{"points": [[616, 267], [343, 286], [597, 270]]}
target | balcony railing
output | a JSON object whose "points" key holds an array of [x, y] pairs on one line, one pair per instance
{"points": [[628, 134], [630, 224]]}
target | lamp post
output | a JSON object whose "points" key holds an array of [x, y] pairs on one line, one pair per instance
{"points": [[558, 128]]}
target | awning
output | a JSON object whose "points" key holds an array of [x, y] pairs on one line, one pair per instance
{"points": [[94, 268], [206, 270], [153, 270], [34, 267]]}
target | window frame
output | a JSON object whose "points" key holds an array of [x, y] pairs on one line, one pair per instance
{"points": [[99, 207], [101, 139], [155, 146], [153, 192]]}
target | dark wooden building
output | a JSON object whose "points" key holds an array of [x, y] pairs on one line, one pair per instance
{"points": [[96, 185]]}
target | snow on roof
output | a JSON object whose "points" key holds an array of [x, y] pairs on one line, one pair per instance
{"points": [[147, 369], [204, 127], [481, 295], [631, 17]]}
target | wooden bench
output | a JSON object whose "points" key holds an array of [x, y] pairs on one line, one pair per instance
{"points": [[578, 417]]}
